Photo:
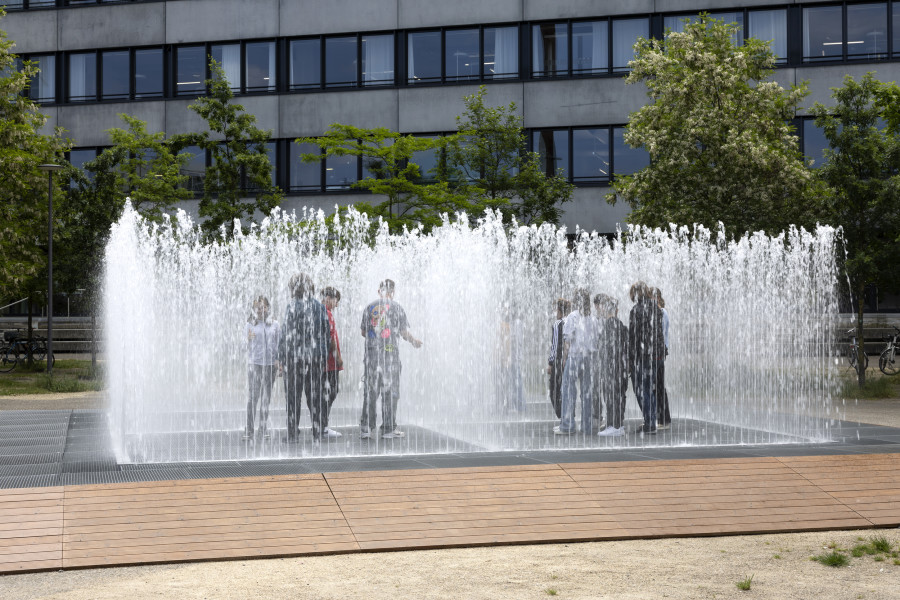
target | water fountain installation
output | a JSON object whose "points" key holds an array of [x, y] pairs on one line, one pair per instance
{"points": [[750, 362]]}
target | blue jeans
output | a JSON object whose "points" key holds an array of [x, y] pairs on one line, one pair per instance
{"points": [[577, 375], [645, 389]]}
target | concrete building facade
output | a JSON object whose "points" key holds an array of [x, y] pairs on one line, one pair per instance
{"points": [[300, 65]]}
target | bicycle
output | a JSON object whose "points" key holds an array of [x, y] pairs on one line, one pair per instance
{"points": [[889, 361], [852, 348], [18, 349]]}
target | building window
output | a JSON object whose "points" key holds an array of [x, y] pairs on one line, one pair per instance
{"points": [[378, 59], [340, 172], [823, 37], [501, 52], [553, 146], [550, 50], [79, 156], [304, 176], [590, 47], [115, 75], [190, 70], [272, 154], [625, 33], [260, 67], [43, 85], [590, 155], [867, 31], [461, 57], [340, 61], [82, 77], [195, 169], [627, 160], [814, 143], [306, 64], [148, 73], [427, 161], [229, 58], [424, 57], [770, 26]]}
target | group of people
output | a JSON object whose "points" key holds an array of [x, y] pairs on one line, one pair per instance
{"points": [[592, 356], [305, 349]]}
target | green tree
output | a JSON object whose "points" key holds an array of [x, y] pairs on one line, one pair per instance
{"points": [[23, 188], [718, 134], [237, 150], [861, 170], [388, 158], [487, 161]]}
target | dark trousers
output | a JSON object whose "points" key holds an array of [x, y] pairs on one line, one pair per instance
{"points": [[381, 377], [645, 390], [556, 389], [613, 387], [260, 378], [332, 387], [308, 379], [662, 396]]}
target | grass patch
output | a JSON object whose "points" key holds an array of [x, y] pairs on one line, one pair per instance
{"points": [[877, 387], [68, 376], [551, 592], [832, 559], [776, 556], [881, 544], [744, 584]]}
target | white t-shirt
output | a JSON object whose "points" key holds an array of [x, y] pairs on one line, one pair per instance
{"points": [[580, 331], [263, 346]]}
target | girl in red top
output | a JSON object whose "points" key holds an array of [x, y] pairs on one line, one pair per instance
{"points": [[330, 298]]}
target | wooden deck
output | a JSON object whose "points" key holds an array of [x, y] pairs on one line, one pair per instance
{"points": [[188, 520]]}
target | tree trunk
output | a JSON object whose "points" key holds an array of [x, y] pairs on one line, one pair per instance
{"points": [[860, 339], [30, 357]]}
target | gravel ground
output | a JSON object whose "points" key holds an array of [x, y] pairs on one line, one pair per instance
{"points": [[678, 568]]}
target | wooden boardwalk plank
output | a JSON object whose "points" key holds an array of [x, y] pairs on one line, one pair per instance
{"points": [[31, 529]]}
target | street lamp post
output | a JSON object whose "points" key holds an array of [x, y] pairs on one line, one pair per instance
{"points": [[49, 169]]}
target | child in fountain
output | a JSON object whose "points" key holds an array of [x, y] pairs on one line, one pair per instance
{"points": [[262, 339], [330, 298], [646, 349], [612, 361], [304, 352], [580, 338], [383, 324], [555, 361]]}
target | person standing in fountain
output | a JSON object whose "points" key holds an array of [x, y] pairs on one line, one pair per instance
{"points": [[303, 353], [580, 338], [383, 323], [262, 339], [331, 297], [646, 349], [613, 363], [555, 362], [663, 416]]}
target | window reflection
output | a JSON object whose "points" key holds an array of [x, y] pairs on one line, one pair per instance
{"points": [[340, 172], [427, 161], [340, 61], [627, 160], [260, 67], [304, 176], [43, 85], [590, 155], [195, 169], [377, 59], [462, 56], [82, 77], [501, 52], [822, 33], [424, 57], [550, 54], [116, 75], [553, 146], [305, 64], [770, 26], [148, 73], [625, 34], [229, 58], [190, 70], [590, 47], [867, 30], [814, 143]]}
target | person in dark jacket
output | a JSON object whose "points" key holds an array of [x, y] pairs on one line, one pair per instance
{"points": [[555, 361], [303, 352], [646, 349], [613, 363], [663, 415]]}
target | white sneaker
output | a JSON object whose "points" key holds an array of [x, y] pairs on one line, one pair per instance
{"points": [[331, 433], [558, 431], [393, 434], [612, 431], [365, 434], [664, 426]]}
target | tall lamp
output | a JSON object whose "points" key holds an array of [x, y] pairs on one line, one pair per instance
{"points": [[49, 170]]}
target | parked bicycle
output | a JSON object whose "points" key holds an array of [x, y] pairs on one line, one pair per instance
{"points": [[16, 349], [889, 361], [852, 347]]}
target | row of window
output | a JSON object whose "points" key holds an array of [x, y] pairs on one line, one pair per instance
{"points": [[32, 4], [560, 49], [586, 156]]}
